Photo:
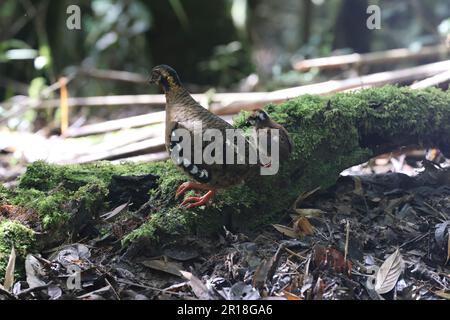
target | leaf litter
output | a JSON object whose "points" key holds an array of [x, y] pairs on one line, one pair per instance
{"points": [[377, 236]]}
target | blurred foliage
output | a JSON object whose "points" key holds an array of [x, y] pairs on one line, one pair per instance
{"points": [[211, 43]]}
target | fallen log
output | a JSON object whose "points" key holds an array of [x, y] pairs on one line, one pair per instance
{"points": [[329, 133]]}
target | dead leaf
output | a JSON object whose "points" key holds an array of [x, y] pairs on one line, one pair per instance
{"points": [[389, 272], [319, 289], [310, 212], [303, 225], [115, 212], [165, 266], [330, 258], [439, 233], [260, 276], [9, 273], [54, 292], [200, 290], [303, 196], [267, 268], [290, 296], [442, 294], [448, 248], [242, 291], [34, 271], [358, 186], [290, 232]]}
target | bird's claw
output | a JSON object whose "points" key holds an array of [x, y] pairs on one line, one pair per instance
{"points": [[182, 189], [192, 202]]}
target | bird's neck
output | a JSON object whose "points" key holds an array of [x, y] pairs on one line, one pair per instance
{"points": [[178, 96]]}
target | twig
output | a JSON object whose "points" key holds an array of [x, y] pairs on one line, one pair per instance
{"points": [[148, 287], [347, 236]]}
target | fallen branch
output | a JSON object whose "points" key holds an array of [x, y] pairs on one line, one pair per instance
{"points": [[231, 103], [113, 75], [432, 81], [113, 125], [134, 149], [333, 86], [124, 123], [381, 57]]}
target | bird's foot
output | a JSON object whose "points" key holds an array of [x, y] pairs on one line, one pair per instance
{"points": [[193, 202], [186, 186]]}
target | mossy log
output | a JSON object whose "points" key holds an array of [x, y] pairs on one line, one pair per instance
{"points": [[330, 134]]}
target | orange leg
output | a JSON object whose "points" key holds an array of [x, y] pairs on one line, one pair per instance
{"points": [[190, 186], [192, 202]]}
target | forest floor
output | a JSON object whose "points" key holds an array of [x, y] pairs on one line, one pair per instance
{"points": [[382, 235]]}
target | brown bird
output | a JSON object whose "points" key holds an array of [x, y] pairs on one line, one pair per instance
{"points": [[183, 112], [261, 120]]}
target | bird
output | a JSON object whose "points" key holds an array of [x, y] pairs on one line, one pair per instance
{"points": [[183, 112], [260, 120]]}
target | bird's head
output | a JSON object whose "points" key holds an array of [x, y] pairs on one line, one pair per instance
{"points": [[259, 118], [165, 76]]}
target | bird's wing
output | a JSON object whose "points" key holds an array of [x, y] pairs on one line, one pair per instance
{"points": [[181, 157]]}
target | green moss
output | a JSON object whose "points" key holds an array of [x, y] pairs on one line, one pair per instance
{"points": [[13, 233], [54, 190], [330, 134], [4, 194]]}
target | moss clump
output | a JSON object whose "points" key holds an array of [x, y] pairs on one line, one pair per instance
{"points": [[13, 233], [4, 194], [55, 192]]}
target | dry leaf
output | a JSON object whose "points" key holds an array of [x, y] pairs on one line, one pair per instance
{"points": [[9, 273], [199, 289], [290, 296], [164, 266], [35, 271], [330, 258], [114, 212], [303, 225], [448, 248], [358, 186], [319, 289], [260, 276], [442, 294], [303, 196], [387, 275], [310, 212], [242, 291], [290, 232]]}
